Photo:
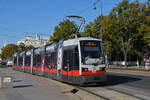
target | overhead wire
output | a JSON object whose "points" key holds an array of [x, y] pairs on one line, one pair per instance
{"points": [[91, 6]]}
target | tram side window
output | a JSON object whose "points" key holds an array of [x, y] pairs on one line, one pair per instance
{"points": [[51, 59], [15, 60], [27, 60], [47, 59], [76, 59], [71, 59], [20, 60], [34, 60], [55, 59], [37, 60]]}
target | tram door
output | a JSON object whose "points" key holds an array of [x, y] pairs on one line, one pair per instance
{"points": [[43, 60], [59, 64], [70, 63], [66, 65]]}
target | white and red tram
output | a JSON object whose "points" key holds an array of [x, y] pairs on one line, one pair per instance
{"points": [[78, 61]]}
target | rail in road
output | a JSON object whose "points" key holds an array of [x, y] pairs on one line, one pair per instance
{"points": [[107, 93]]}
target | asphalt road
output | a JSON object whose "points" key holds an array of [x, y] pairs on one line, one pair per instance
{"points": [[135, 84], [31, 87]]}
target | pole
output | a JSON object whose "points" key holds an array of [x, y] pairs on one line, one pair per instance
{"points": [[101, 14], [101, 26]]}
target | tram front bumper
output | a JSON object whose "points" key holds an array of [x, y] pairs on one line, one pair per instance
{"points": [[93, 79]]}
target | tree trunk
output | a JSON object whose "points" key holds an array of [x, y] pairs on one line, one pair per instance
{"points": [[137, 63], [125, 50], [125, 59], [107, 61]]}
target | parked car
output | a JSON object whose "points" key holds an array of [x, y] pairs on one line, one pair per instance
{"points": [[9, 63], [3, 62]]}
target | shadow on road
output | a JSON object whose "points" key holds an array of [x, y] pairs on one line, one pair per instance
{"points": [[3, 66], [22, 86], [17, 81], [114, 79], [120, 79]]}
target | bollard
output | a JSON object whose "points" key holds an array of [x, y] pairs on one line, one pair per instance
{"points": [[6, 82]]}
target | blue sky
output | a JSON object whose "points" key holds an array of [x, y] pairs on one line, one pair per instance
{"points": [[17, 17]]}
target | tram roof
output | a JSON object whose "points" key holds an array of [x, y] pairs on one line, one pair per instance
{"points": [[74, 41]]}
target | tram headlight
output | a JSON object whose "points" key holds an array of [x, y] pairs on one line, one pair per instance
{"points": [[84, 69]]}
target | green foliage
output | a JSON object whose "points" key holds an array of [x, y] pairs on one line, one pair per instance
{"points": [[22, 47], [93, 29], [63, 30], [147, 38], [29, 47], [107, 47], [8, 51]]}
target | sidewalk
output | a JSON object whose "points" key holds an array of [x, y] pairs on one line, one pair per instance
{"points": [[137, 68], [130, 69]]}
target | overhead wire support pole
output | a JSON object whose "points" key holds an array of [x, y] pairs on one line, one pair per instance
{"points": [[101, 29], [101, 17], [101, 23]]}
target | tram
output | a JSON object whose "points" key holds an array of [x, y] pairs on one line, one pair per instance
{"points": [[78, 61]]}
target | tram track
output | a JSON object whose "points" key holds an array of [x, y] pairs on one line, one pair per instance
{"points": [[124, 93], [108, 93], [93, 93]]}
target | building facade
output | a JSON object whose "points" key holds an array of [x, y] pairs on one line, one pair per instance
{"points": [[36, 41]]}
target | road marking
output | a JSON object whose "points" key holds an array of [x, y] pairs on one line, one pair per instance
{"points": [[7, 79], [122, 98]]}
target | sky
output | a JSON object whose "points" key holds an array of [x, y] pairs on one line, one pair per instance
{"points": [[19, 17]]}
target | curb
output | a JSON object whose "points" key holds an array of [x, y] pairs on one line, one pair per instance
{"points": [[130, 68]]}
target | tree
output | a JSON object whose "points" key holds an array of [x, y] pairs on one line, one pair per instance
{"points": [[23, 47], [130, 19], [146, 27], [93, 29], [29, 47], [8, 51], [63, 30]]}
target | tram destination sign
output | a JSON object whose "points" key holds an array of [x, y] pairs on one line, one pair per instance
{"points": [[90, 43]]}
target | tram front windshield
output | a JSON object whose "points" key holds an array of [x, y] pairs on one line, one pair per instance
{"points": [[91, 53]]}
